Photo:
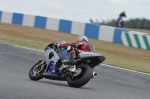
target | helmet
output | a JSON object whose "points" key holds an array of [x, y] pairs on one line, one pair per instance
{"points": [[82, 38]]}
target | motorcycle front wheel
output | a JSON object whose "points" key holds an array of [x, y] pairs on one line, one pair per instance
{"points": [[36, 72], [84, 76]]}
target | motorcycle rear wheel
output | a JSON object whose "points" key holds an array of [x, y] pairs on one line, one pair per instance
{"points": [[36, 72], [82, 79]]}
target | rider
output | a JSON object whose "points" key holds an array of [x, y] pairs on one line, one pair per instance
{"points": [[121, 19], [81, 45], [123, 14], [73, 49]]}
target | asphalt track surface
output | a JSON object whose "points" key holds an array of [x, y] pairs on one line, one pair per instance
{"points": [[111, 83]]}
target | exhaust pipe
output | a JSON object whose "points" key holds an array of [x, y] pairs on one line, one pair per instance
{"points": [[94, 74]]}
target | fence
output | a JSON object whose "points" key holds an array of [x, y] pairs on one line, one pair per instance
{"points": [[131, 23]]}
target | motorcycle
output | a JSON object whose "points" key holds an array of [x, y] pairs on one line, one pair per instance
{"points": [[53, 66], [121, 21]]}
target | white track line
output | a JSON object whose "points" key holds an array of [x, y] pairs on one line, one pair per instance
{"points": [[125, 69], [102, 64], [22, 47]]}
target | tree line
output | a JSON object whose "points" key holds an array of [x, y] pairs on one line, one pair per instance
{"points": [[137, 23]]}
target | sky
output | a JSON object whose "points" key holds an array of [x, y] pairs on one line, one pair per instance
{"points": [[79, 10]]}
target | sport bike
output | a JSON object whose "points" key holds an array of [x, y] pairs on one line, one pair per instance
{"points": [[54, 67], [121, 21]]}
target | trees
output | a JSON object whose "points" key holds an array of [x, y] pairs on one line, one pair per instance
{"points": [[138, 23]]}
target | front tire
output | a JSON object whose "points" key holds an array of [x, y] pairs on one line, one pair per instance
{"points": [[36, 72], [82, 79]]}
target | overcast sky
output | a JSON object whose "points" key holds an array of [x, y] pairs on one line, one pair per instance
{"points": [[79, 10]]}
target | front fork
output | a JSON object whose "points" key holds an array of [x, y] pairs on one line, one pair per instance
{"points": [[43, 63]]}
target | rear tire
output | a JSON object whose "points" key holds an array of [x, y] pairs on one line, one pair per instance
{"points": [[39, 74], [81, 79]]}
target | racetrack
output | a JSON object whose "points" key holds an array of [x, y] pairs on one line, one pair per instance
{"points": [[111, 83]]}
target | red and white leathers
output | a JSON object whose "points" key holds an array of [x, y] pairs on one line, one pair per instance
{"points": [[81, 46], [75, 48]]}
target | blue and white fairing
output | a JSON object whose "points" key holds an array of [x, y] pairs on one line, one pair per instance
{"points": [[50, 71]]}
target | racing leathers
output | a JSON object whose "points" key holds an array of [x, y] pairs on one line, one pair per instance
{"points": [[75, 48]]}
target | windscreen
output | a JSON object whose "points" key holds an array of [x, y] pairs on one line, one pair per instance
{"points": [[90, 47]]}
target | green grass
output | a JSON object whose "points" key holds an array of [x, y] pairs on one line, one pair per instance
{"points": [[29, 44]]}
